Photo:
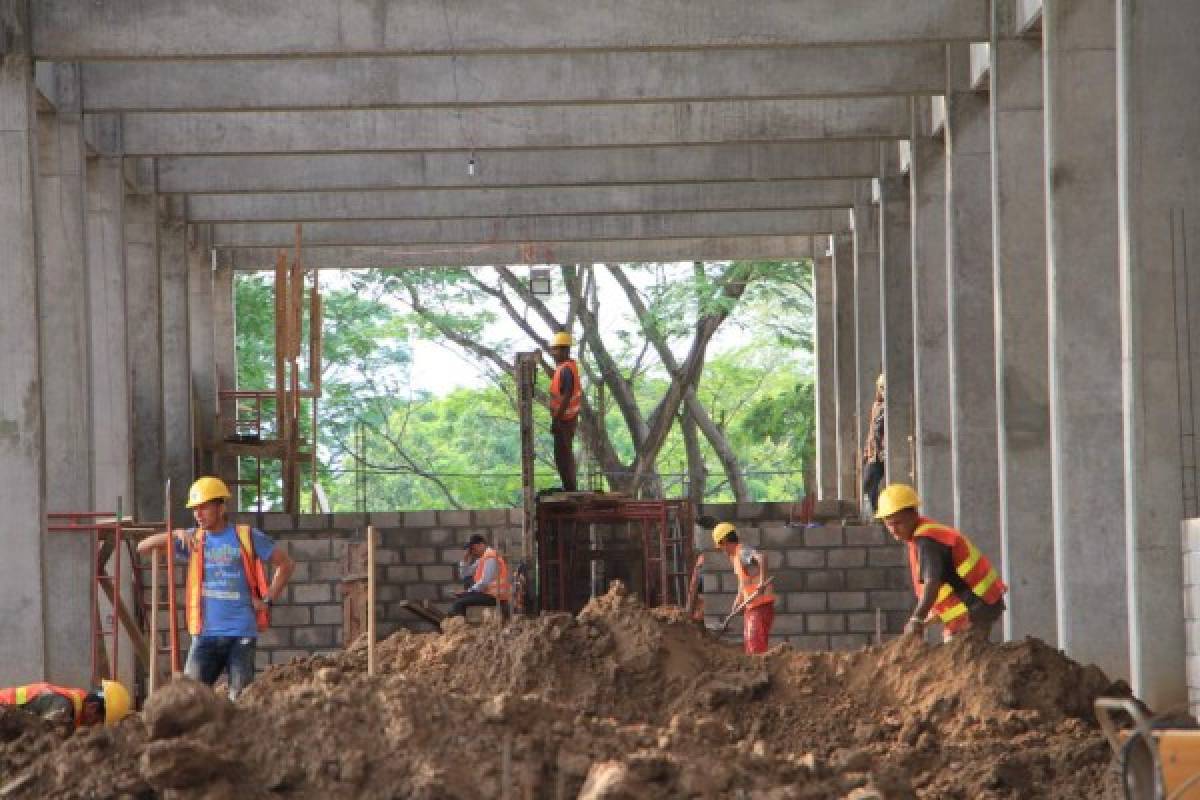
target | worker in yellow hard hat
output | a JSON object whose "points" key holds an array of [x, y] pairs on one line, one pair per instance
{"points": [[955, 584], [756, 597], [227, 595], [75, 708], [875, 450], [566, 396]]}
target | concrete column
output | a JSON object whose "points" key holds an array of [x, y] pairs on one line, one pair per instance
{"points": [[845, 374], [931, 354], [176, 355], [22, 454], [1079, 73], [1023, 398], [895, 287], [826, 405], [1159, 212], [225, 358], [868, 357], [64, 342], [200, 342], [143, 344], [969, 322]]}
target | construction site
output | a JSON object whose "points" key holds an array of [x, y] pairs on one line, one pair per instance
{"points": [[987, 585]]}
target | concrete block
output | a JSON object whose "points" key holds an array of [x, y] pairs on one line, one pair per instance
{"points": [[727, 582], [444, 537], [330, 614], [786, 624], [301, 572], [848, 641], [275, 637], [810, 642], [420, 519], [751, 536], [788, 580], [899, 578], [316, 636], [314, 522], [276, 522], [826, 536], [312, 593], [422, 591], [806, 601], [310, 549], [825, 623], [774, 558], [824, 580], [782, 536], [386, 519], [287, 656], [750, 511], [718, 603], [861, 623], [438, 573], [262, 659], [864, 535], [516, 517], [350, 521], [891, 600], [867, 578], [403, 574], [337, 546], [420, 555], [805, 558], [1191, 535], [325, 570], [887, 556], [492, 517], [385, 555], [848, 557], [454, 519], [1193, 671], [389, 592], [403, 537], [847, 601], [449, 555], [290, 615]]}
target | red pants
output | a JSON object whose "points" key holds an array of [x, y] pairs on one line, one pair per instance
{"points": [[758, 621]]}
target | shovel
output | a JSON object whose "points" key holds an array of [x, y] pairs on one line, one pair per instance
{"points": [[740, 607]]}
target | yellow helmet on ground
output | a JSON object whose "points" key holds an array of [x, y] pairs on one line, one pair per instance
{"points": [[562, 339], [896, 497], [205, 489], [721, 531], [117, 702]]}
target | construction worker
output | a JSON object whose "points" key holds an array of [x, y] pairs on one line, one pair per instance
{"points": [[75, 707], [875, 450], [751, 570], [566, 395], [954, 582], [491, 582], [227, 596]]}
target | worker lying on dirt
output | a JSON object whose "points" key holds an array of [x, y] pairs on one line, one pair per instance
{"points": [[751, 569], [566, 396], [73, 707], [954, 582], [490, 584], [228, 598]]}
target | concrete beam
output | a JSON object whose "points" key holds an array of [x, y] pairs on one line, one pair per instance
{"points": [[176, 352], [826, 369], [472, 129], [68, 30], [513, 78], [756, 161], [533, 229], [512, 202], [729, 248], [845, 374]]}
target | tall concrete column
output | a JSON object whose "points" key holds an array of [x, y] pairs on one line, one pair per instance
{"points": [[931, 354], [22, 454], [143, 344], [826, 406], [1159, 212], [845, 374], [200, 342], [868, 356], [895, 287], [1023, 398], [176, 355], [1079, 73], [64, 344], [970, 319], [225, 358]]}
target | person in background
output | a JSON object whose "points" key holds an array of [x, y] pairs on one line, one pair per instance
{"points": [[875, 451], [566, 396]]}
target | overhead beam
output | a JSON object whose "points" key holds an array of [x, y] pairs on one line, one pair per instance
{"points": [[618, 251], [756, 161], [513, 78], [164, 29], [542, 229], [200, 133], [512, 202]]}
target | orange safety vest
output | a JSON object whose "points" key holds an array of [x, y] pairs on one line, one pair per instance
{"points": [[499, 588], [256, 577], [747, 583], [971, 565], [556, 398], [20, 695]]}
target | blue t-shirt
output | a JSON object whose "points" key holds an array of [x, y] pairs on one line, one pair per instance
{"points": [[226, 592]]}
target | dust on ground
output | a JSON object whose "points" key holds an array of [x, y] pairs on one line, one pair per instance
{"points": [[619, 702]]}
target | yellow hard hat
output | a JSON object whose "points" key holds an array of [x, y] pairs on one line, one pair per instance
{"points": [[205, 489], [896, 497], [721, 531], [117, 702], [562, 339]]}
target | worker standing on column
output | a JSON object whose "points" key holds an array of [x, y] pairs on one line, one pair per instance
{"points": [[751, 570], [74, 707], [954, 582], [875, 451], [227, 596], [566, 395]]}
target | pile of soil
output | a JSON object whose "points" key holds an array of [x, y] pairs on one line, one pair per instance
{"points": [[619, 702]]}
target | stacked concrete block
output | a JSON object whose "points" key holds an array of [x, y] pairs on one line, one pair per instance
{"points": [[1191, 608]]}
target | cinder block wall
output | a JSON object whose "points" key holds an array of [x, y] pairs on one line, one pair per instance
{"points": [[831, 580], [1191, 608]]}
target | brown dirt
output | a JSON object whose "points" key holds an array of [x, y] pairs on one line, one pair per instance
{"points": [[619, 702]]}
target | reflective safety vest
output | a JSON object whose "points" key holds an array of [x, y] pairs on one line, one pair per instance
{"points": [[256, 578], [20, 695], [747, 584], [499, 588], [970, 564], [556, 398]]}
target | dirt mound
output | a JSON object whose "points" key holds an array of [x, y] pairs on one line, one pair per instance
{"points": [[619, 702]]}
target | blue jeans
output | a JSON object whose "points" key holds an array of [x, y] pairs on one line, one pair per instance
{"points": [[209, 656]]}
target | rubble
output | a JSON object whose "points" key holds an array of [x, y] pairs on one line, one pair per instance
{"points": [[619, 702]]}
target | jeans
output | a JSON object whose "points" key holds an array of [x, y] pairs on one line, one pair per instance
{"points": [[564, 452], [459, 609], [209, 656], [872, 477]]}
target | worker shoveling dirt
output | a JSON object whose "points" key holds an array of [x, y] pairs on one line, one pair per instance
{"points": [[619, 702]]}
